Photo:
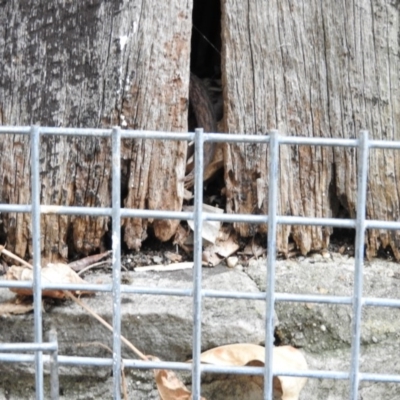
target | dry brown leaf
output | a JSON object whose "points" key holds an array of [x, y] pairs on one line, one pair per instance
{"points": [[51, 273], [16, 306], [169, 386], [284, 357], [287, 357]]}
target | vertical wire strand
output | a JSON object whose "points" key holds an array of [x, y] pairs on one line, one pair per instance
{"points": [[116, 259], [37, 281], [362, 175], [270, 289], [197, 271]]}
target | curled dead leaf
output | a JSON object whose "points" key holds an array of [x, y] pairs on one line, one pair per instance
{"points": [[169, 386], [16, 306], [284, 357], [51, 273]]}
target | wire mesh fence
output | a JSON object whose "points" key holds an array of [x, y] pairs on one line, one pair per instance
{"points": [[44, 351]]}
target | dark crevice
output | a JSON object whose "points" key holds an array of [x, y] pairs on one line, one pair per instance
{"points": [[205, 56], [340, 209], [341, 240], [205, 95], [72, 254]]}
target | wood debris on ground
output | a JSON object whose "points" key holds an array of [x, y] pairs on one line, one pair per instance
{"points": [[165, 268], [82, 263], [219, 241], [210, 229]]}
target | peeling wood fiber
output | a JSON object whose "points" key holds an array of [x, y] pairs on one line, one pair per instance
{"points": [[317, 69], [92, 64]]}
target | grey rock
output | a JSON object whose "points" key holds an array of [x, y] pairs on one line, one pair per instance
{"points": [[156, 325], [162, 326], [323, 331]]}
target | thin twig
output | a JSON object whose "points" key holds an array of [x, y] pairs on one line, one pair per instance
{"points": [[90, 260], [82, 304], [82, 271], [14, 257], [99, 264], [105, 323]]}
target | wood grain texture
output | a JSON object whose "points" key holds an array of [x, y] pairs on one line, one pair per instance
{"points": [[317, 69], [157, 99], [92, 64]]}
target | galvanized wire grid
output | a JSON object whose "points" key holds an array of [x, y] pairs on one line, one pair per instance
{"points": [[11, 352]]}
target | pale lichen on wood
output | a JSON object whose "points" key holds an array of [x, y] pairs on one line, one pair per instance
{"points": [[80, 65]]}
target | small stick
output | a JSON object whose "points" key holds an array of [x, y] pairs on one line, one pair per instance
{"points": [[14, 257], [84, 262], [99, 264], [106, 324], [82, 304]]}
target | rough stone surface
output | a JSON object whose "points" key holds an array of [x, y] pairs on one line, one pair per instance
{"points": [[163, 326], [324, 331], [157, 325]]}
